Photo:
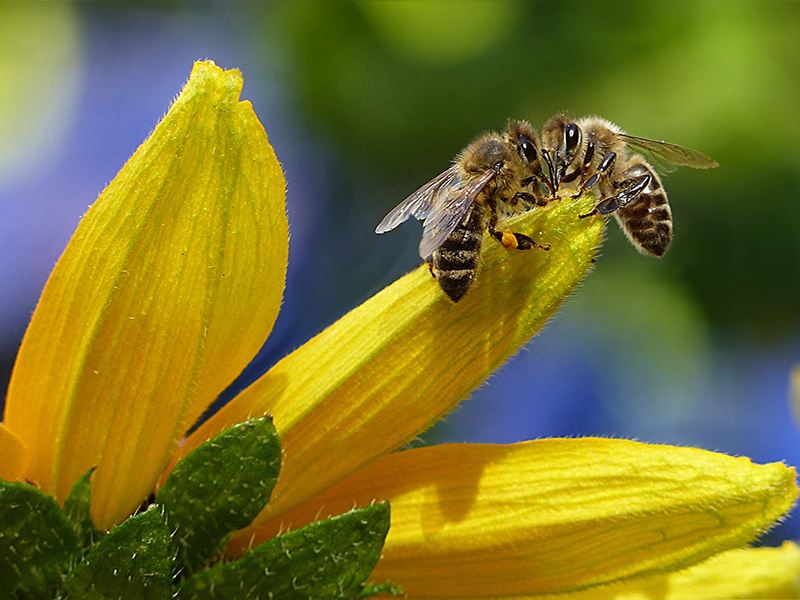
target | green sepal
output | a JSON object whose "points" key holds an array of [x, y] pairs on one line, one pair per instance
{"points": [[219, 487], [382, 588], [328, 559], [132, 562], [38, 545], [76, 507]]}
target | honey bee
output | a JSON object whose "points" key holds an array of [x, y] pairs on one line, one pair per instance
{"points": [[495, 173], [593, 152]]}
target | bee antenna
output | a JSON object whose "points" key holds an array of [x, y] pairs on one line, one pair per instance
{"points": [[551, 173]]}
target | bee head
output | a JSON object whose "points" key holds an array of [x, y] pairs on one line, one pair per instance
{"points": [[524, 139], [561, 139]]}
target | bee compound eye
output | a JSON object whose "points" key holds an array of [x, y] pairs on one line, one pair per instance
{"points": [[528, 149], [572, 137]]}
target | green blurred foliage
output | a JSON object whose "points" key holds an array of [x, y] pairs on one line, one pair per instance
{"points": [[398, 88], [650, 316]]}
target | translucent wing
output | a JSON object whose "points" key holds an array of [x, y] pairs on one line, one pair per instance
{"points": [[672, 153], [420, 202], [449, 210]]}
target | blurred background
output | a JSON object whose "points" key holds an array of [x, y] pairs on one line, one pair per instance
{"points": [[366, 101]]}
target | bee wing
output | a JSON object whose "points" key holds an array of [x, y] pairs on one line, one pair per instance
{"points": [[672, 153], [420, 202], [449, 210]]}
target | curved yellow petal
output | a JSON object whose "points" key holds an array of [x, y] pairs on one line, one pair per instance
{"points": [[768, 573], [393, 366], [14, 455], [169, 286], [549, 516]]}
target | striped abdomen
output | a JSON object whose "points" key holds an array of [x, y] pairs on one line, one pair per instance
{"points": [[647, 221], [455, 262]]}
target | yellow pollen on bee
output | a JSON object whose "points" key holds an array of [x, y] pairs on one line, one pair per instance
{"points": [[509, 241]]}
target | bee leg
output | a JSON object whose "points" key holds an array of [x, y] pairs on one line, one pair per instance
{"points": [[429, 262], [527, 198], [524, 242], [509, 239], [516, 241], [603, 169], [538, 180], [631, 190], [605, 207]]}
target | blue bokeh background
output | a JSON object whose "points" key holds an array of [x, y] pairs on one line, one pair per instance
{"points": [[364, 102]]}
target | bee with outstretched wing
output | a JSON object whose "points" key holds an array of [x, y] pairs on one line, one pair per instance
{"points": [[456, 207], [593, 152]]}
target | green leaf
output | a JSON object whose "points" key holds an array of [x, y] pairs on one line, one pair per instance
{"points": [[37, 542], [220, 487], [328, 559], [76, 507], [132, 562], [382, 588]]}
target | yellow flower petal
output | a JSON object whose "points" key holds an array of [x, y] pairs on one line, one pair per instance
{"points": [[13, 455], [169, 286], [769, 573], [548, 516], [396, 364]]}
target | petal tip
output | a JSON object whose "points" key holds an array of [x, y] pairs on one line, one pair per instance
{"points": [[207, 72]]}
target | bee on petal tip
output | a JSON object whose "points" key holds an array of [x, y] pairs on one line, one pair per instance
{"points": [[497, 172], [592, 152]]}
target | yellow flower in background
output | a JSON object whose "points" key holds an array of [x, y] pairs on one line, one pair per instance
{"points": [[794, 393], [173, 281]]}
